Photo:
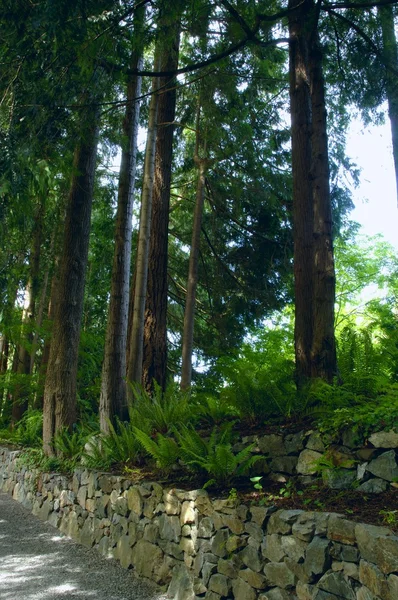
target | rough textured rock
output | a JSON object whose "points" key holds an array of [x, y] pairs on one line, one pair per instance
{"points": [[336, 583], [278, 574], [384, 439], [242, 590], [307, 462], [384, 466]]}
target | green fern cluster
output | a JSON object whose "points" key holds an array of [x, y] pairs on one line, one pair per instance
{"points": [[161, 410]]}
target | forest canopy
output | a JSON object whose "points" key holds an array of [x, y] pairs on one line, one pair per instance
{"points": [[174, 215]]}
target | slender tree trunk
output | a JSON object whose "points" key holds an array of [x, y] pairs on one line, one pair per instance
{"points": [[60, 387], [21, 394], [189, 314], [323, 350], [303, 212], [113, 383], [134, 367], [390, 52], [155, 332]]}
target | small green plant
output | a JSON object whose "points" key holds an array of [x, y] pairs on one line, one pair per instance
{"points": [[233, 494], [390, 517], [163, 449], [29, 430], [256, 481]]}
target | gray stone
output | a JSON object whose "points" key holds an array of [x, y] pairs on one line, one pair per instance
{"points": [[188, 513], [384, 439], [272, 548], [256, 580], [219, 584], [315, 442], [304, 528], [242, 590], [364, 594], [211, 596], [275, 594], [293, 547], [344, 553], [317, 558], [339, 479], [307, 462], [259, 514], [377, 545], [105, 483], [255, 531], [234, 542], [282, 521], [272, 444], [284, 464], [251, 558], [384, 466], [233, 523], [373, 486], [147, 559], [124, 552], [218, 544], [206, 528], [294, 442], [230, 567], [182, 585], [341, 530], [82, 496], [336, 583], [208, 570], [87, 535], [304, 591], [169, 528], [280, 575]]}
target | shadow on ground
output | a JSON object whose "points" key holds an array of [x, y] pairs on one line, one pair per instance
{"points": [[39, 563]]}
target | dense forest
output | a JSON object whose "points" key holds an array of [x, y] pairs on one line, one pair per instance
{"points": [[175, 242]]}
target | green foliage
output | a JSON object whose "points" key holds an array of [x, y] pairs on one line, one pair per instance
{"points": [[215, 456], [161, 410], [365, 417], [34, 458], [162, 448], [213, 409], [29, 430], [119, 447]]}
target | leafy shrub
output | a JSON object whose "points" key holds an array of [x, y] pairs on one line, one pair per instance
{"points": [[215, 456], [162, 448], [119, 446], [29, 430], [161, 410]]}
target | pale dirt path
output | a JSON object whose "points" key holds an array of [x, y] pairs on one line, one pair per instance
{"points": [[38, 563]]}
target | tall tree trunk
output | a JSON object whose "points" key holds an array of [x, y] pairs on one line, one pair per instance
{"points": [[21, 394], [155, 332], [390, 52], [303, 212], [314, 274], [190, 300], [134, 367], [60, 387], [113, 383], [189, 314], [323, 350]]}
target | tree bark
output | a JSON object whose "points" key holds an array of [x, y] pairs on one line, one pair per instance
{"points": [[303, 212], [134, 368], [155, 331], [113, 401], [60, 387], [323, 350], [390, 53]]}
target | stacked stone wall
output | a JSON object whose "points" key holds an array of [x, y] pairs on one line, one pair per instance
{"points": [[212, 549]]}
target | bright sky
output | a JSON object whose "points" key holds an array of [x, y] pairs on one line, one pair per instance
{"points": [[376, 198]]}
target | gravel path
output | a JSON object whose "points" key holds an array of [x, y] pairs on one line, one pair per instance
{"points": [[38, 563]]}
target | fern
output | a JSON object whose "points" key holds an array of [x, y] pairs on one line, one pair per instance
{"points": [[161, 410], [215, 456], [164, 449]]}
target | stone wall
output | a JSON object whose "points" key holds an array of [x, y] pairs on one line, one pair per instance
{"points": [[343, 463], [203, 548]]}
